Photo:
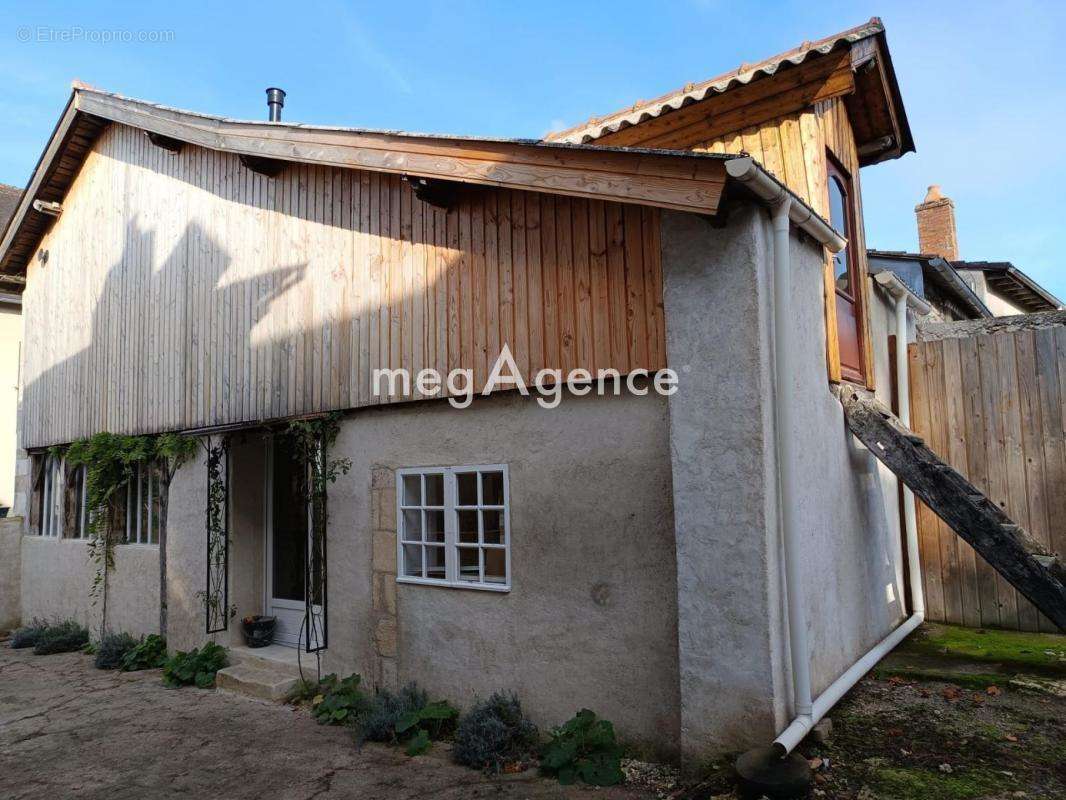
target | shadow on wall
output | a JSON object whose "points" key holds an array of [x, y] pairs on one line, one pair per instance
{"points": [[280, 296]]}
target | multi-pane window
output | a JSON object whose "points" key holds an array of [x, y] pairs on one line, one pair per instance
{"points": [[453, 526], [143, 506]]}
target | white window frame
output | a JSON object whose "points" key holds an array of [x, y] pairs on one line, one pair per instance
{"points": [[452, 546], [139, 530]]}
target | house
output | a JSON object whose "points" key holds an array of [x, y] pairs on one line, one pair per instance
{"points": [[686, 539], [1003, 288], [933, 279], [10, 347]]}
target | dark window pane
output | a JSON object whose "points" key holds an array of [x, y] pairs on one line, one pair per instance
{"points": [[435, 526], [467, 482], [492, 488], [839, 217], [469, 564], [495, 566], [412, 525], [435, 563], [412, 490], [492, 526], [289, 554], [412, 560], [434, 490], [467, 526]]}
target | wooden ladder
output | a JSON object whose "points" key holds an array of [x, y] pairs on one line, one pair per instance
{"points": [[1008, 548]]}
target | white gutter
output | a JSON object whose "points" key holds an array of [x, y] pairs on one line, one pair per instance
{"points": [[786, 207]]}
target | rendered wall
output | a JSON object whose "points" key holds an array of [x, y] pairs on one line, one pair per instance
{"points": [[10, 349], [10, 573], [590, 619], [57, 576], [734, 663]]}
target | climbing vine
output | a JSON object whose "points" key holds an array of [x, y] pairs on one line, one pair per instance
{"points": [[215, 598], [310, 440], [110, 461]]}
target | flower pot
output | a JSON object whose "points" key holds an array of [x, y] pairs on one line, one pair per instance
{"points": [[258, 631]]}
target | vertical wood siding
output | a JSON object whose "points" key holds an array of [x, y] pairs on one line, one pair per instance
{"points": [[993, 408], [184, 291], [793, 147]]}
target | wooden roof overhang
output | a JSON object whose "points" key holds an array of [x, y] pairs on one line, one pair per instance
{"points": [[854, 64], [675, 180]]}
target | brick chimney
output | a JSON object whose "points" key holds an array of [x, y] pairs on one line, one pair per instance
{"points": [[936, 225]]}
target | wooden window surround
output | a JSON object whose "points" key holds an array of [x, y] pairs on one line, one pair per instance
{"points": [[847, 274]]}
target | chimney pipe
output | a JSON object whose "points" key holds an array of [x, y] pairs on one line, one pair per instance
{"points": [[275, 102]]}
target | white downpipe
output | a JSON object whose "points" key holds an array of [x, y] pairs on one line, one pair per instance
{"points": [[802, 725], [783, 375], [785, 208]]}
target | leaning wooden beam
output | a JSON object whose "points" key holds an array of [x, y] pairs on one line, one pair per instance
{"points": [[1008, 548]]}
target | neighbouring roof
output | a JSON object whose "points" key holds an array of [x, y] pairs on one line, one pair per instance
{"points": [[1011, 283], [885, 77], [9, 286], [9, 199], [681, 180], [940, 272]]}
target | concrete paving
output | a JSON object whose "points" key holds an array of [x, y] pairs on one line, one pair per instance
{"points": [[68, 730]]}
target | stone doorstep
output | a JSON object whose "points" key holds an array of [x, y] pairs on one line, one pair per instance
{"points": [[254, 681], [268, 673]]}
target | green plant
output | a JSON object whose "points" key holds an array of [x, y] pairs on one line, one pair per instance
{"points": [[494, 733], [196, 667], [304, 691], [112, 649], [584, 749], [110, 462], [27, 635], [405, 716], [62, 637], [149, 653], [337, 702]]}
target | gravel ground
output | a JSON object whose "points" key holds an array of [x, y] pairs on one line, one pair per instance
{"points": [[70, 731]]}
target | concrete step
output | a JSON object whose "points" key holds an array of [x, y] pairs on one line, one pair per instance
{"points": [[259, 680], [282, 660]]}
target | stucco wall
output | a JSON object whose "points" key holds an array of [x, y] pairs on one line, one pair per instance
{"points": [[57, 575], [590, 619], [10, 350], [849, 516], [734, 662], [10, 573], [731, 671]]}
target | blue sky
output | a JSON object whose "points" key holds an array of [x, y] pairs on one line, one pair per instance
{"points": [[984, 83]]}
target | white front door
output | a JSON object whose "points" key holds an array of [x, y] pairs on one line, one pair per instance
{"points": [[286, 545]]}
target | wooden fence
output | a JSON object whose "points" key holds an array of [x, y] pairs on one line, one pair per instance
{"points": [[991, 405]]}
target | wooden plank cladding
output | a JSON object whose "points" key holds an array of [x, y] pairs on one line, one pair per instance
{"points": [[992, 406], [183, 290]]}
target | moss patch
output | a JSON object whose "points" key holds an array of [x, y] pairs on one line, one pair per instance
{"points": [[965, 680], [1040, 653], [899, 783]]}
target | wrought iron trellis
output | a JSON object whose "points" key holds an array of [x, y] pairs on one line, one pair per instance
{"points": [[316, 628], [216, 596]]}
